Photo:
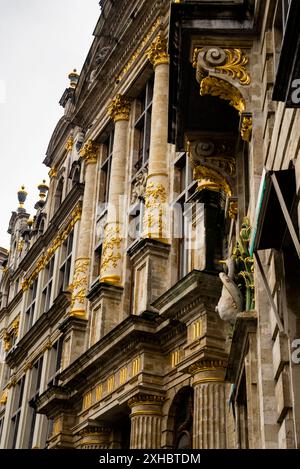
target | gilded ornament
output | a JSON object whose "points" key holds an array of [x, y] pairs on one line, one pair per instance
{"points": [[157, 52], [212, 180], [90, 152], [3, 398], [145, 399], [111, 247], [119, 109], [217, 87], [69, 144], [56, 243], [244, 265], [246, 128], [80, 282], [230, 62], [155, 197], [207, 365], [52, 173], [233, 210], [6, 341]]}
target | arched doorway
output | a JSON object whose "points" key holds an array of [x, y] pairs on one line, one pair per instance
{"points": [[181, 419]]}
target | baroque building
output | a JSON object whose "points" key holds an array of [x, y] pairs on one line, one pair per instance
{"points": [[152, 300]]}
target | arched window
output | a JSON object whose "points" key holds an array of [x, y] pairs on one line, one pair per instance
{"points": [[181, 419]]}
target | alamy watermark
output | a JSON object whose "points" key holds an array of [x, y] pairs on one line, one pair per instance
{"points": [[296, 351], [295, 96]]}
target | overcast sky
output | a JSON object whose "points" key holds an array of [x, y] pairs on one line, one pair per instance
{"points": [[41, 41]]}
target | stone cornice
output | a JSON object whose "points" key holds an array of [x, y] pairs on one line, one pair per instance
{"points": [[195, 288], [132, 329]]}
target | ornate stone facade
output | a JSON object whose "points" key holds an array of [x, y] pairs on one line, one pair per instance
{"points": [[135, 310]]}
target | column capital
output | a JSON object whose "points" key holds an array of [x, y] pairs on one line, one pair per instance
{"points": [[157, 52], [90, 152], [207, 365], [141, 399], [119, 108]]}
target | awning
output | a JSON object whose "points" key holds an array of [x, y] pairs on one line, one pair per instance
{"points": [[273, 221], [274, 208]]}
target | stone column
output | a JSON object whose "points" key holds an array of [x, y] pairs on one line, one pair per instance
{"points": [[145, 421], [95, 437], [82, 263], [209, 422], [112, 253], [156, 220]]}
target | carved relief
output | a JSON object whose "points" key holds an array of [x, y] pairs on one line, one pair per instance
{"points": [[230, 62], [155, 198], [138, 187], [157, 52], [111, 247], [80, 282], [119, 109], [224, 90]]}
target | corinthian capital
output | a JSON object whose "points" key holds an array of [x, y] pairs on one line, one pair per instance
{"points": [[157, 52], [90, 152], [119, 109]]}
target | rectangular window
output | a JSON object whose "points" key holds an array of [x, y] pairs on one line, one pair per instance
{"points": [[55, 362], [36, 374], [184, 188], [142, 126], [106, 169], [47, 285], [16, 412], [65, 263], [31, 301]]}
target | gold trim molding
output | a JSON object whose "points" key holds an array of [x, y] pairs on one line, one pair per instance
{"points": [[56, 243], [138, 51], [207, 365], [119, 109], [146, 399]]}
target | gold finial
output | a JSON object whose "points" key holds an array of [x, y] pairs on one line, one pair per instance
{"points": [[119, 109], [74, 78], [30, 222], [43, 188], [22, 194], [157, 52]]}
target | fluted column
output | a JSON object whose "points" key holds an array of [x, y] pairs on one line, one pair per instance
{"points": [[112, 253], [145, 422], [156, 220], [95, 437], [209, 422], [79, 284]]}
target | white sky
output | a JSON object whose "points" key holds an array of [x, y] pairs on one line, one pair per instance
{"points": [[41, 41]]}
